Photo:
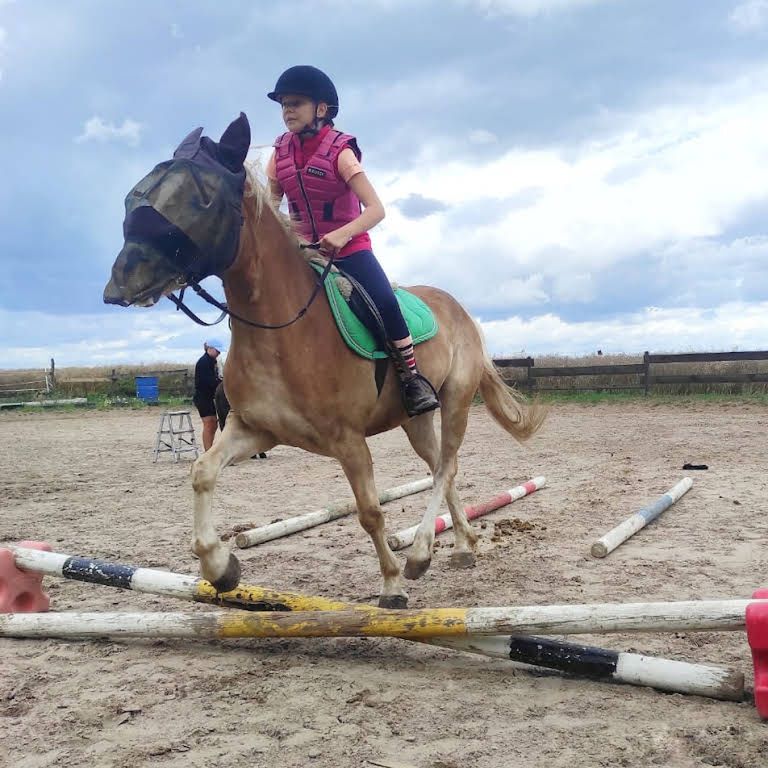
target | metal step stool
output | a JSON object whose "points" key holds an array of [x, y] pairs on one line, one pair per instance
{"points": [[177, 437]]}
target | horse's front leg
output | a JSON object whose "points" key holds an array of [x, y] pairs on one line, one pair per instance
{"points": [[236, 442], [358, 467]]}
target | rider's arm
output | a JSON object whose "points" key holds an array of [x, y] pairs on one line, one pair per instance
{"points": [[373, 209]]}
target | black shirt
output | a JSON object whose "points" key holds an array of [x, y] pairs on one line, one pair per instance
{"points": [[206, 377]]}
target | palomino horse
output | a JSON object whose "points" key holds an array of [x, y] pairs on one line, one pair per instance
{"points": [[300, 385]]}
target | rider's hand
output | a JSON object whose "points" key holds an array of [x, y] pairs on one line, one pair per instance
{"points": [[333, 242]]}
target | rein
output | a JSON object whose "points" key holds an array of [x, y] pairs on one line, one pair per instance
{"points": [[225, 311]]}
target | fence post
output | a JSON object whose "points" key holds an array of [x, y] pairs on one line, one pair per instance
{"points": [[647, 376], [53, 373], [529, 379]]}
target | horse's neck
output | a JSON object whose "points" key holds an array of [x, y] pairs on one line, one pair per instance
{"points": [[270, 280]]}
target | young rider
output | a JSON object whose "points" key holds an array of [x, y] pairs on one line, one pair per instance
{"points": [[333, 203]]}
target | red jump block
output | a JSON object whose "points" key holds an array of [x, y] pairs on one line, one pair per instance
{"points": [[20, 591], [757, 635]]}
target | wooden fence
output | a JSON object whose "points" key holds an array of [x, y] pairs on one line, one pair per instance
{"points": [[176, 382], [635, 376], [673, 372], [172, 381], [29, 384]]}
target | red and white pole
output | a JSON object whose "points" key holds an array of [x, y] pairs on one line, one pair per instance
{"points": [[404, 538]]}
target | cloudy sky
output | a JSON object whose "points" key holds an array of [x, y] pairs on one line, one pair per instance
{"points": [[581, 174]]}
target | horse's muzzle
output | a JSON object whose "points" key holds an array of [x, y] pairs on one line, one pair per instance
{"points": [[113, 294], [141, 275]]}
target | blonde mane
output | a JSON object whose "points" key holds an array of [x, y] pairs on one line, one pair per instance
{"points": [[258, 190]]}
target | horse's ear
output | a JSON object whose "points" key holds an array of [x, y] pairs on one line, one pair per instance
{"points": [[234, 143], [188, 146]]}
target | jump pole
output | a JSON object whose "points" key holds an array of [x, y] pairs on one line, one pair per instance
{"points": [[44, 403], [605, 545], [333, 511], [712, 615], [593, 663], [600, 664], [404, 538]]}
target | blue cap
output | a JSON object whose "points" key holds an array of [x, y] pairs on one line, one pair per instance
{"points": [[216, 344]]}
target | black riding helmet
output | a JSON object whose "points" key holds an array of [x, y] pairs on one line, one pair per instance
{"points": [[304, 80]]}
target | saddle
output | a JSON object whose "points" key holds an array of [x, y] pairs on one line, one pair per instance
{"points": [[357, 318]]}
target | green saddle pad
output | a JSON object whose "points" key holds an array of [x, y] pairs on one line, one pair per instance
{"points": [[419, 317]]}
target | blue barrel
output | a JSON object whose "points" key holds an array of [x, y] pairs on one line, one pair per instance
{"points": [[147, 388]]}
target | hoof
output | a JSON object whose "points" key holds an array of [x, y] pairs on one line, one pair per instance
{"points": [[415, 570], [393, 601], [230, 578], [463, 560]]}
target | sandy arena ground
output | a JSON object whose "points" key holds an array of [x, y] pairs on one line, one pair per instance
{"points": [[85, 482]]}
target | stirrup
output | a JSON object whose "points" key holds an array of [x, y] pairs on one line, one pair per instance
{"points": [[419, 396]]}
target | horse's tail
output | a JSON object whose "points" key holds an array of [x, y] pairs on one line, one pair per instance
{"points": [[512, 410]]}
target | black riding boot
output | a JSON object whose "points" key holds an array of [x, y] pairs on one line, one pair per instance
{"points": [[419, 395]]}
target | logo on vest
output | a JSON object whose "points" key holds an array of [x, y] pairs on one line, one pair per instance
{"points": [[315, 171]]}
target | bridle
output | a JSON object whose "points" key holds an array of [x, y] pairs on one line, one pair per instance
{"points": [[193, 283]]}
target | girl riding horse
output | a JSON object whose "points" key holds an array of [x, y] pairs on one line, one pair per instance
{"points": [[333, 203]]}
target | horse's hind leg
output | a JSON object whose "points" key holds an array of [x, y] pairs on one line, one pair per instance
{"points": [[422, 437], [358, 467], [217, 564], [453, 425]]}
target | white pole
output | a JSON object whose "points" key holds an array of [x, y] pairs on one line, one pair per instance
{"points": [[590, 662], [412, 624], [639, 520], [333, 511], [404, 538], [45, 403], [602, 664]]}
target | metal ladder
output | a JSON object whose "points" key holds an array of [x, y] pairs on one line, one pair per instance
{"points": [[175, 437]]}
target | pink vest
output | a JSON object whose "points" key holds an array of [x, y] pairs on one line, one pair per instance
{"points": [[319, 199]]}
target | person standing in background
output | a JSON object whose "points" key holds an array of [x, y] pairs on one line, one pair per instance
{"points": [[207, 378]]}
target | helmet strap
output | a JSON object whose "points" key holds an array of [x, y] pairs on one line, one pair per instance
{"points": [[313, 128]]}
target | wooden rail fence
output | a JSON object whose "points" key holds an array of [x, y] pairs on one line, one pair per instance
{"points": [[640, 376], [636, 376]]}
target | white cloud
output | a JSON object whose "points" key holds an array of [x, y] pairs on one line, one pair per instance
{"points": [[724, 328], [750, 16], [529, 7], [155, 335], [659, 179], [97, 129], [134, 336]]}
